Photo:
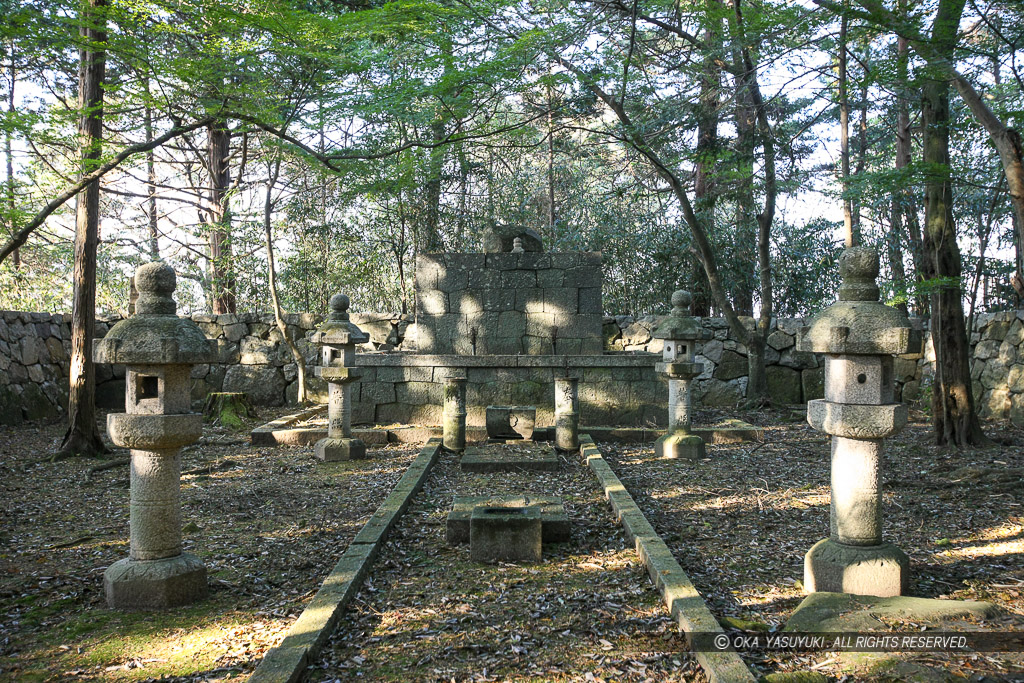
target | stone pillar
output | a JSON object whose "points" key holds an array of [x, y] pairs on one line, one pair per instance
{"points": [[337, 339], [158, 349], [859, 336], [567, 414], [680, 332], [454, 427]]}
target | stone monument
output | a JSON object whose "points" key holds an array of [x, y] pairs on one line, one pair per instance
{"points": [[454, 412], [680, 332], [337, 339], [859, 337], [567, 414], [158, 349]]}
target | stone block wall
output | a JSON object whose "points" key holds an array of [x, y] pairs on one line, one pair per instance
{"points": [[34, 365], [997, 367], [529, 303]]}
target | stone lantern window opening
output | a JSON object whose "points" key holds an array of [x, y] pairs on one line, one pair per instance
{"points": [[147, 386]]}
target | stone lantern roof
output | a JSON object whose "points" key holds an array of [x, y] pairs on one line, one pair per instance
{"points": [[337, 329], [679, 324], [155, 335], [859, 324]]}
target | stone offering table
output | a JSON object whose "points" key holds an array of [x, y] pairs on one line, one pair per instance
{"points": [[158, 349], [554, 520], [680, 332], [337, 338], [860, 336]]}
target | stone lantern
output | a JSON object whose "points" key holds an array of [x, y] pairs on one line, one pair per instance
{"points": [[337, 339], [859, 337], [158, 349], [680, 332]]}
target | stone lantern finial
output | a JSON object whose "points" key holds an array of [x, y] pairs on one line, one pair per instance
{"points": [[155, 283], [681, 300], [858, 266], [339, 307]]}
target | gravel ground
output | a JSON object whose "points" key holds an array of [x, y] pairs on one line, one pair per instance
{"points": [[588, 612], [269, 524]]}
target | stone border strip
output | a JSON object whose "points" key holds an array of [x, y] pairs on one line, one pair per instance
{"points": [[287, 662], [681, 597], [264, 434]]}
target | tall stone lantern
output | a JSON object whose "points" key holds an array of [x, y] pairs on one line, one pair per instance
{"points": [[337, 339], [158, 349], [859, 337], [680, 332]]}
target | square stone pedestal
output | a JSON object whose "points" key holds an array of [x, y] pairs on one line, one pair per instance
{"points": [[881, 570], [510, 458], [155, 584], [335, 450], [680, 445], [553, 519], [505, 534]]}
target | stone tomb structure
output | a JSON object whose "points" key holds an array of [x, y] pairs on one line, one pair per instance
{"points": [[510, 457], [513, 322], [554, 520]]}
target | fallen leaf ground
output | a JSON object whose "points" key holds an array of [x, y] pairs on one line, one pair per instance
{"points": [[268, 522], [271, 522]]}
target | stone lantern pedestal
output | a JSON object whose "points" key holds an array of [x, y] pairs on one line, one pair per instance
{"points": [[158, 349], [680, 332], [567, 414], [337, 339], [859, 337], [454, 412]]}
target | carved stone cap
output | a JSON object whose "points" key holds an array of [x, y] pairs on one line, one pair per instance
{"points": [[155, 335], [337, 329], [679, 324], [858, 324]]}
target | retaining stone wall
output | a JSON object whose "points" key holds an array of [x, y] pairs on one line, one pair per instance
{"points": [[34, 350]]}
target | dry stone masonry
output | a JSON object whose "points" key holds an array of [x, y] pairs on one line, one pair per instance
{"points": [[679, 333], [859, 337], [337, 339], [158, 349]]}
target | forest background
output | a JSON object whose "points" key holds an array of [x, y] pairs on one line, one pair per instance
{"points": [[278, 152]]}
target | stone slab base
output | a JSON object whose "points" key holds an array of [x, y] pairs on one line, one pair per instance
{"points": [[337, 450], [155, 584], [516, 458], [505, 534], [826, 612], [882, 570], [554, 521], [677, 446]]}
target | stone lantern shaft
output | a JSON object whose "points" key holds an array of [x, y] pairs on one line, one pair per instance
{"points": [[567, 414], [454, 412]]}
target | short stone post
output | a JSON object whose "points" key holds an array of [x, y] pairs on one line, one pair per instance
{"points": [[454, 412], [567, 414], [859, 337], [680, 332], [337, 339], [158, 349]]}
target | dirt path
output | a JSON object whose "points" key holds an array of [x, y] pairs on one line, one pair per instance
{"points": [[587, 612]]}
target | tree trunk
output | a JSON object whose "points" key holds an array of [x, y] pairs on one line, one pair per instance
{"points": [[844, 134], [954, 419], [282, 326], [11, 201], [221, 267], [82, 436], [430, 238], [154, 234], [746, 234]]}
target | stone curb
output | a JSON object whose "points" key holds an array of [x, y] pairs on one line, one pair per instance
{"points": [[264, 434], [681, 598], [287, 662]]}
